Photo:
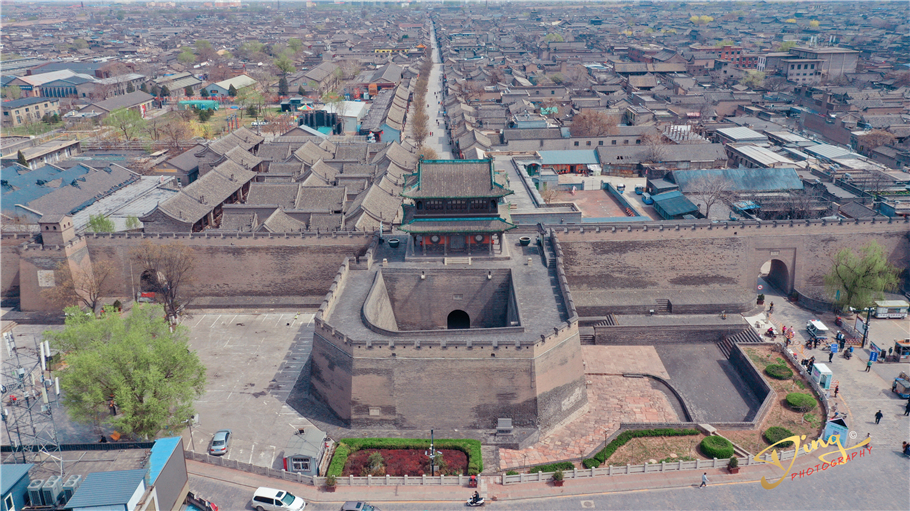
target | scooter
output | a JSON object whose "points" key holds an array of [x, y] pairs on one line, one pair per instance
{"points": [[475, 503]]}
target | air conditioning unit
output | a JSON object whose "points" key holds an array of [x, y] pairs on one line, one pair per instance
{"points": [[71, 485], [51, 490], [34, 492]]}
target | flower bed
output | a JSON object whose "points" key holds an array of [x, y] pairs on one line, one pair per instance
{"points": [[348, 446], [399, 462], [605, 453]]}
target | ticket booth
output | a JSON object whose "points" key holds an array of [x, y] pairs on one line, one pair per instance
{"points": [[822, 375]]}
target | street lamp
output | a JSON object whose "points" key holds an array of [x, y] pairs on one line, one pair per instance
{"points": [[432, 454], [868, 311]]}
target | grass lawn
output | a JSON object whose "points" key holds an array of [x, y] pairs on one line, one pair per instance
{"points": [[656, 449], [35, 128]]}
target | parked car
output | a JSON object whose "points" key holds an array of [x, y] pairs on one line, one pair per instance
{"points": [[270, 499], [220, 442], [817, 330], [358, 506]]}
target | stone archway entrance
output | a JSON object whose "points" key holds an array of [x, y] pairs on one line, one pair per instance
{"points": [[776, 274], [458, 320]]}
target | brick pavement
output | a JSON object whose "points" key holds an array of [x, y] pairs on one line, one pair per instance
{"points": [[611, 400]]}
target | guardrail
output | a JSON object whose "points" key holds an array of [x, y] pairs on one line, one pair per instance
{"points": [[284, 475], [647, 468]]}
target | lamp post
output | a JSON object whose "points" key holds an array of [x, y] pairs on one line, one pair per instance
{"points": [[432, 454]]}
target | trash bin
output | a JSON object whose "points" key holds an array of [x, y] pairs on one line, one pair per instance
{"points": [[473, 482]]}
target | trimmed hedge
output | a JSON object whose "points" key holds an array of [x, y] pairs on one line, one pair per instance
{"points": [[775, 434], [348, 445], [778, 371], [553, 467], [717, 447], [800, 401], [601, 457]]}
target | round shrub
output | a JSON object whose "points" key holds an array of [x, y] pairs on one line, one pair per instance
{"points": [[801, 402], [778, 371], [717, 447], [775, 434]]}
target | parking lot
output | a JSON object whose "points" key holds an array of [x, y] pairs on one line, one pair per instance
{"points": [[253, 361]]}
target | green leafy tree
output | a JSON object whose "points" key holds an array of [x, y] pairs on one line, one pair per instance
{"points": [[786, 45], [554, 37], [188, 90], [132, 222], [165, 92], [252, 111], [295, 45], [202, 44], [80, 44], [857, 280], [155, 90], [204, 93], [144, 88], [120, 15], [127, 121], [814, 24], [100, 223], [232, 91], [130, 88], [20, 159], [753, 79], [284, 64], [13, 92], [186, 56], [301, 91], [283, 86], [147, 370]]}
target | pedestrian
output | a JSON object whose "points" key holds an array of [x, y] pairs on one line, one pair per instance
{"points": [[771, 308], [836, 389], [704, 480], [907, 409], [868, 365], [830, 357], [878, 416]]}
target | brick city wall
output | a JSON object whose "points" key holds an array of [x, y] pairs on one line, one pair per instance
{"points": [[692, 258], [230, 265], [414, 383], [425, 303], [648, 335]]}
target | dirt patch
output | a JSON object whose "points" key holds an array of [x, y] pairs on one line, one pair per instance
{"points": [[399, 462], [671, 448], [809, 424]]}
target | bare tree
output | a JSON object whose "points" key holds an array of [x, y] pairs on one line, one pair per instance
{"points": [[427, 153], [805, 203], [419, 129], [170, 270], [655, 147], [176, 132], [84, 286], [590, 123], [548, 194], [709, 191], [874, 139]]}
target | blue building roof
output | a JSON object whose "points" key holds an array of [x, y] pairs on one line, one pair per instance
{"points": [[21, 186], [107, 489], [569, 157], [741, 179], [673, 204], [161, 452], [11, 474]]}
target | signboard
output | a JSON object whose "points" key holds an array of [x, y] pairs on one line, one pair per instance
{"points": [[873, 356], [834, 348], [760, 287], [835, 427], [860, 325], [46, 278]]}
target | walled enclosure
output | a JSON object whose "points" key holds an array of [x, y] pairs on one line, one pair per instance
{"points": [[709, 268], [371, 373]]}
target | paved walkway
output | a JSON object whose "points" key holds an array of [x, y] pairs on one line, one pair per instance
{"points": [[437, 140], [611, 400]]}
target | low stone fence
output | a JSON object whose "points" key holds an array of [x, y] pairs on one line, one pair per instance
{"points": [[820, 393], [460, 480], [647, 468]]}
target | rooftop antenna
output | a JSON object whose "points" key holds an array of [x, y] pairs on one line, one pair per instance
{"points": [[32, 396]]}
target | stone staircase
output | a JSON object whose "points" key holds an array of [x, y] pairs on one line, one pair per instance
{"points": [[747, 336]]}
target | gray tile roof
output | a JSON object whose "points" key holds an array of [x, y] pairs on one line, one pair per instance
{"points": [[275, 152], [294, 167], [320, 199], [84, 190], [243, 158], [455, 178], [186, 160], [278, 221], [206, 193], [123, 101], [310, 153], [283, 195]]}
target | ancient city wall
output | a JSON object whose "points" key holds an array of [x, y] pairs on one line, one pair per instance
{"points": [[683, 261], [231, 265]]}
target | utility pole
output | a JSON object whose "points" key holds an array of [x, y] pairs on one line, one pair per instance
{"points": [[432, 454]]}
